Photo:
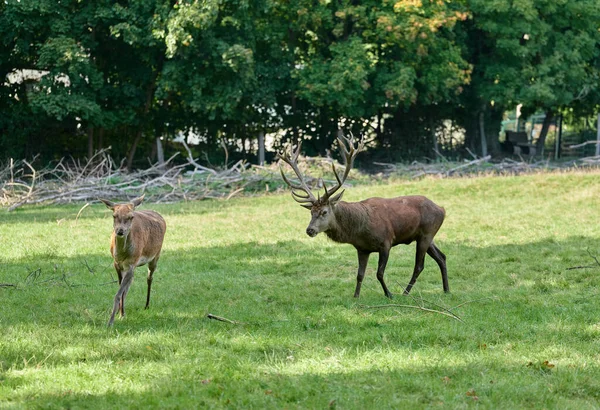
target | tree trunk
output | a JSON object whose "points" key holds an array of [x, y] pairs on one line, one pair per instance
{"points": [[131, 153], [597, 136], [434, 139], [294, 121], [160, 154], [539, 145], [261, 148], [482, 133], [101, 138], [90, 142]]}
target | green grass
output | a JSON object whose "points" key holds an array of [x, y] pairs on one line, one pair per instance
{"points": [[530, 336]]}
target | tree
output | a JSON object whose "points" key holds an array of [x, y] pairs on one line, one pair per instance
{"points": [[539, 53]]}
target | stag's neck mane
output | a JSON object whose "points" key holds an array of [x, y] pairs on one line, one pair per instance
{"points": [[350, 220]]}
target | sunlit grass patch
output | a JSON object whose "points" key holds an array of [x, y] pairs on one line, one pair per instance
{"points": [[529, 335]]}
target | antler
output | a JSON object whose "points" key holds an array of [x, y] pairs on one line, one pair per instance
{"points": [[307, 199], [350, 152]]}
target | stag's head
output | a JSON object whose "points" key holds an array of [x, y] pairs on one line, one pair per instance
{"points": [[122, 215], [321, 207]]}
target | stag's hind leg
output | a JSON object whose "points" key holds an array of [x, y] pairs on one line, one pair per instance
{"points": [[440, 258], [151, 268], [422, 246]]}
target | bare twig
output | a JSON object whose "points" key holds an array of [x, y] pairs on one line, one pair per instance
{"points": [[394, 305], [222, 319], [192, 161], [468, 164], [584, 144], [80, 211], [70, 181], [587, 266]]}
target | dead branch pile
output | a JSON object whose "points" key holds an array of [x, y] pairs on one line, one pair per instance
{"points": [[484, 166], [72, 181]]}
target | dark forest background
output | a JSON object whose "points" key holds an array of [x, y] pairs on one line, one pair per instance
{"points": [[419, 79]]}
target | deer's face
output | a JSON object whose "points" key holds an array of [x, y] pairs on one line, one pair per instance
{"points": [[122, 215], [322, 217], [123, 218]]}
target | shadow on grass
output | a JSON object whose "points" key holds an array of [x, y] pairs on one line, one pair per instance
{"points": [[492, 385], [295, 301], [289, 287]]}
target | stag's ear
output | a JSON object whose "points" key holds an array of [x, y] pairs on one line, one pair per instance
{"points": [[335, 199], [137, 201], [110, 205], [307, 206]]}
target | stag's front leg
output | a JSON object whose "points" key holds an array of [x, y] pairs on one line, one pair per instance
{"points": [[119, 303], [383, 259], [363, 258]]}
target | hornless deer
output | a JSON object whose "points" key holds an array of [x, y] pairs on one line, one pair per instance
{"points": [[136, 240], [372, 225]]}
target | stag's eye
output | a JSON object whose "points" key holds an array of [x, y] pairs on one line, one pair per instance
{"points": [[323, 213]]}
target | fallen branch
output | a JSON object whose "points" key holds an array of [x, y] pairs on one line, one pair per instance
{"points": [[393, 305], [79, 213], [100, 177], [7, 285], [587, 266], [584, 144], [222, 319], [469, 164]]}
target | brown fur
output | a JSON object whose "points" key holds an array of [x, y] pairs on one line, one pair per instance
{"points": [[136, 240], [372, 225], [377, 225]]}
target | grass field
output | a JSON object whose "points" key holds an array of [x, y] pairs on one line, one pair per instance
{"points": [[529, 336]]}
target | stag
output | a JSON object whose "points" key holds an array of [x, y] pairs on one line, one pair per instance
{"points": [[371, 225]]}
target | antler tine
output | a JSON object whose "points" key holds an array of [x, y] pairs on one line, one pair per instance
{"points": [[293, 162], [350, 152]]}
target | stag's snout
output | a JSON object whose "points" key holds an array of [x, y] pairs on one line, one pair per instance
{"points": [[311, 232], [120, 232]]}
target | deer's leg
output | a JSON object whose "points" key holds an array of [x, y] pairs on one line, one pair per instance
{"points": [[363, 258], [125, 292], [440, 258], [119, 303], [119, 271], [120, 277], [151, 269], [383, 259], [422, 246]]}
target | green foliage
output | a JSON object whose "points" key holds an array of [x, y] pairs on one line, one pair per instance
{"points": [[543, 52], [529, 337], [122, 73]]}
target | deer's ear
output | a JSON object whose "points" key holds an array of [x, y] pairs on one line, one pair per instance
{"points": [[137, 201], [307, 206], [110, 205], [335, 199]]}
